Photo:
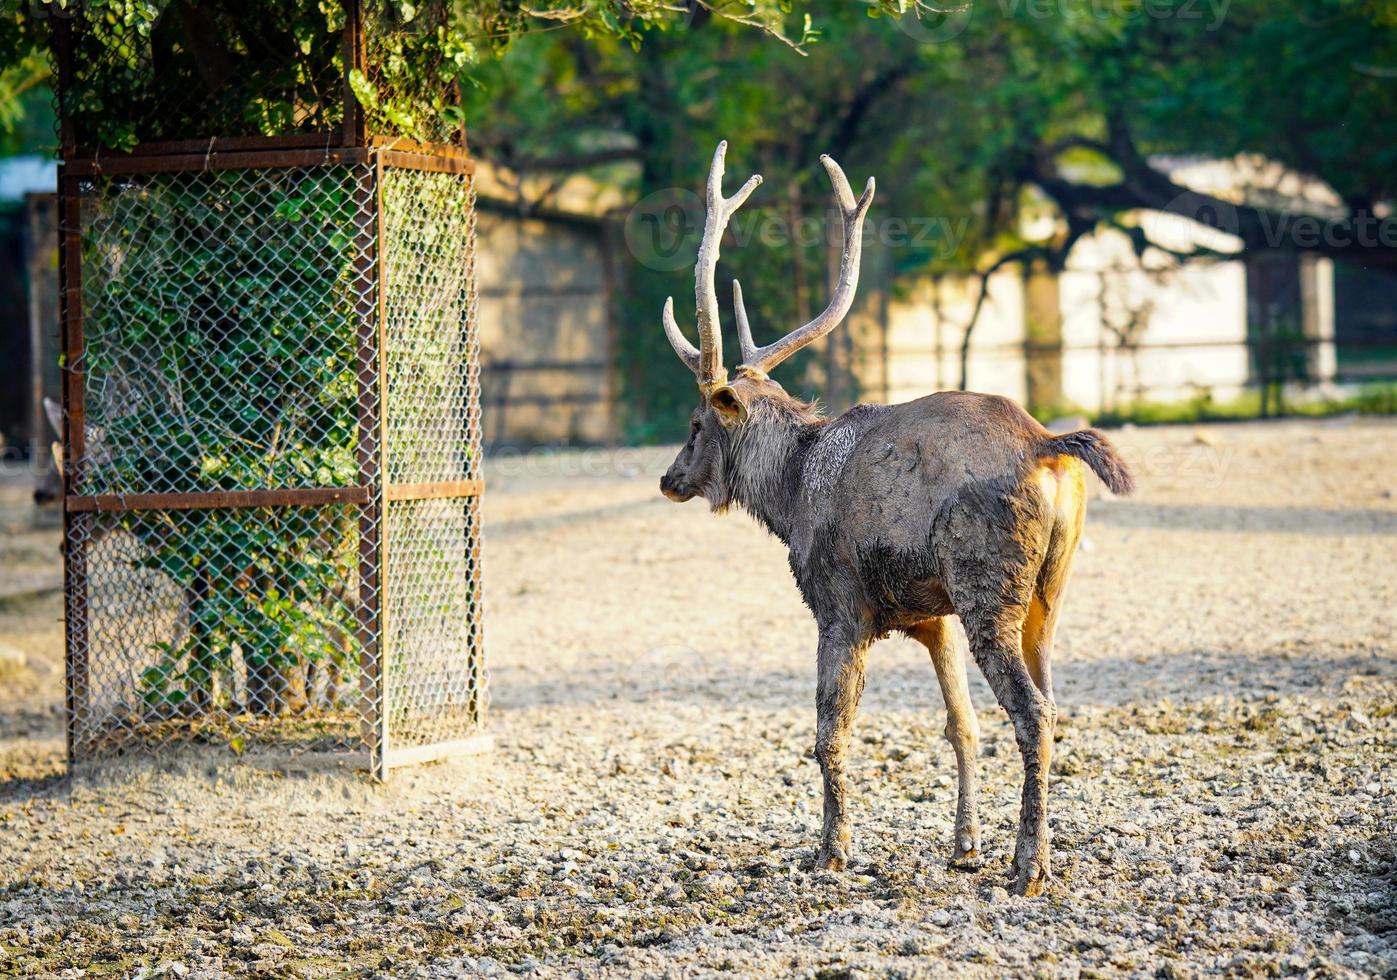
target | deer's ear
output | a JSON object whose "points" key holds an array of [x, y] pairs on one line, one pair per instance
{"points": [[731, 409]]}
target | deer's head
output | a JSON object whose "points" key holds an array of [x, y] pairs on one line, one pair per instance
{"points": [[725, 407]]}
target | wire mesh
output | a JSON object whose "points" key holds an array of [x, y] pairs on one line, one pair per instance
{"points": [[220, 317], [221, 625], [435, 693], [429, 302], [188, 71], [278, 332], [432, 599]]}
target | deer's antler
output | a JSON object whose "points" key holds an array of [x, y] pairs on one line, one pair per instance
{"points": [[760, 360], [707, 361]]}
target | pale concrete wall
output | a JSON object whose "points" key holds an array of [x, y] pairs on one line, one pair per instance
{"points": [[1188, 322], [544, 308], [926, 325]]}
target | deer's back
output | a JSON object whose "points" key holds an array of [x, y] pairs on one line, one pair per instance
{"points": [[880, 476], [912, 457]]}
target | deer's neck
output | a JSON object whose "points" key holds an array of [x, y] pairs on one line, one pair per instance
{"points": [[768, 454]]}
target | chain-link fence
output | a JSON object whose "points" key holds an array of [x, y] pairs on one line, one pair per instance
{"points": [[274, 452]]}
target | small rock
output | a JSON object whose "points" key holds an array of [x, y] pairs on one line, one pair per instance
{"points": [[717, 884], [11, 660]]}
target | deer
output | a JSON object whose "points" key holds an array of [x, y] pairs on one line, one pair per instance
{"points": [[896, 517]]}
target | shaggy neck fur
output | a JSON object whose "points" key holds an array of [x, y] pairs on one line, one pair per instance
{"points": [[765, 458]]}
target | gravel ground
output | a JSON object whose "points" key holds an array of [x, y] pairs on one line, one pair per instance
{"points": [[1223, 796]]}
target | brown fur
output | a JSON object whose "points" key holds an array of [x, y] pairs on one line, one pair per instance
{"points": [[896, 517]]}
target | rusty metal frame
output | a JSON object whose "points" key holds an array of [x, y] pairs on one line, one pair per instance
{"points": [[74, 414], [285, 497], [352, 146], [372, 400], [429, 159]]}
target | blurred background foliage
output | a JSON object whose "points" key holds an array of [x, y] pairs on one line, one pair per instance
{"points": [[982, 116]]}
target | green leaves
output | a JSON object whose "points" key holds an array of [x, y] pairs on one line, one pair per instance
{"points": [[221, 351]]}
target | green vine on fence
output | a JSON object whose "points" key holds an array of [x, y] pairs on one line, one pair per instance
{"points": [[221, 355]]}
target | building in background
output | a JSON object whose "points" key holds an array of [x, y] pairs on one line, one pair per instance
{"points": [[547, 328], [28, 302], [1115, 329]]}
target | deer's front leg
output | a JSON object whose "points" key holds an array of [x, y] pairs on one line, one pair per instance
{"points": [[840, 685]]}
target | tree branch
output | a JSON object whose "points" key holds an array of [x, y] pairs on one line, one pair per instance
{"points": [[1359, 237], [560, 161]]}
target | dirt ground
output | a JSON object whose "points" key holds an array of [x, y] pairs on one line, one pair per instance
{"points": [[1224, 780]]}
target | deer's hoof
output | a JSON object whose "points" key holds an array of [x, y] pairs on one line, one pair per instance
{"points": [[1030, 887], [1029, 881], [832, 858], [966, 855], [966, 860]]}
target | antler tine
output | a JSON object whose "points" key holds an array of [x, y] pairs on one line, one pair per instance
{"points": [[707, 361], [744, 329], [686, 351], [761, 360]]}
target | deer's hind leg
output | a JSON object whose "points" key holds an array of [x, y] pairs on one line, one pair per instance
{"points": [[962, 731], [991, 579]]}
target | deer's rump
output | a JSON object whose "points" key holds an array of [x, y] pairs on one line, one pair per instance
{"points": [[954, 472]]}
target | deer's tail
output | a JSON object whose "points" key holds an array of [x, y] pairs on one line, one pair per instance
{"points": [[1093, 448]]}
